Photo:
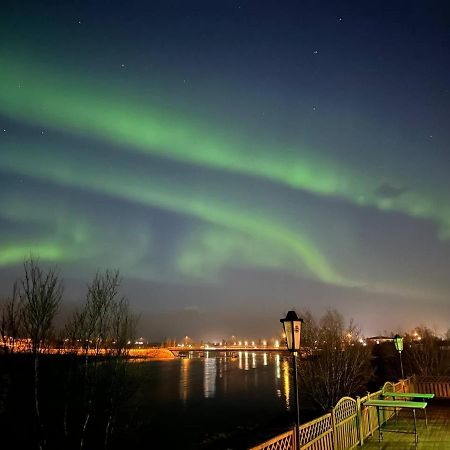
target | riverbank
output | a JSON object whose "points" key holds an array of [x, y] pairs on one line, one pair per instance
{"points": [[151, 353]]}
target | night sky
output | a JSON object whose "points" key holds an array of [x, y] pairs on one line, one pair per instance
{"points": [[232, 158]]}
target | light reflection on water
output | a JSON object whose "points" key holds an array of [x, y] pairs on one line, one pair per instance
{"points": [[287, 384], [209, 377], [184, 379], [220, 392], [277, 366], [218, 369]]}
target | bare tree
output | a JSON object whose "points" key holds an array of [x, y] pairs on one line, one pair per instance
{"points": [[40, 293], [72, 333], [11, 321], [122, 327], [104, 328], [425, 353], [340, 366], [309, 331]]}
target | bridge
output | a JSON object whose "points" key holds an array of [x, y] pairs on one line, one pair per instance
{"points": [[226, 348]]}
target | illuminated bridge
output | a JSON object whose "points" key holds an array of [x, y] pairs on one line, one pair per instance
{"points": [[226, 348]]}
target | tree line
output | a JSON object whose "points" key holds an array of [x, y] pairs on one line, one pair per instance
{"points": [[90, 365], [342, 363]]}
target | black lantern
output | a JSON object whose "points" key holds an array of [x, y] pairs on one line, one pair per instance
{"points": [[292, 325]]}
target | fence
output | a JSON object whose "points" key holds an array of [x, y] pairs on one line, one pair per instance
{"points": [[344, 428], [439, 386]]}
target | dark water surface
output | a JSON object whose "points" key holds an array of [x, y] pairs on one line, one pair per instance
{"points": [[215, 401]]}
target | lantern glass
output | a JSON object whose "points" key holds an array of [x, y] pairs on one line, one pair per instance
{"points": [[292, 328], [398, 342]]}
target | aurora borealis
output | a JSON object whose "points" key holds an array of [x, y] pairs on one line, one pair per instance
{"points": [[230, 158]]}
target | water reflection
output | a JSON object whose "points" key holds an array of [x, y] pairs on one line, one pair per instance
{"points": [[223, 368], [209, 377], [277, 366], [215, 371], [184, 379], [246, 366], [286, 384], [220, 392]]}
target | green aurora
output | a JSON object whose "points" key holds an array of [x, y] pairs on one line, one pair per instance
{"points": [[235, 159], [207, 203], [54, 99]]}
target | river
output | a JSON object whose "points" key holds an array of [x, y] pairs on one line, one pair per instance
{"points": [[213, 401]]}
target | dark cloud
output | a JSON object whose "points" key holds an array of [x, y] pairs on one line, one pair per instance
{"points": [[387, 190]]}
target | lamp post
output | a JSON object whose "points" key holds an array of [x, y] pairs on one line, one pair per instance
{"points": [[398, 342], [292, 325]]}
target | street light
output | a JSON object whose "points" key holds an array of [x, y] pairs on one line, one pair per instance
{"points": [[292, 325], [398, 342]]}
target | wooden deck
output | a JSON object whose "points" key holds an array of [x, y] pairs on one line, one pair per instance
{"points": [[435, 437]]}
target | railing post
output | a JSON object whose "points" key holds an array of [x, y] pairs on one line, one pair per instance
{"points": [[333, 427], [294, 438], [369, 417], [359, 421]]}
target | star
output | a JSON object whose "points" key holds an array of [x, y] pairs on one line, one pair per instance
{"points": [[122, 65], [340, 19], [315, 52]]}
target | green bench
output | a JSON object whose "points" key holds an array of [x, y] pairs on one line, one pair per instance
{"points": [[383, 404], [411, 395]]}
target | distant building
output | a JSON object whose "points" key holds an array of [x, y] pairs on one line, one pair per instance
{"points": [[378, 339], [141, 341]]}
